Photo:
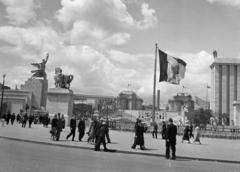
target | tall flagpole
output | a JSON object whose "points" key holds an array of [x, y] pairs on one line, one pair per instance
{"points": [[154, 84]]}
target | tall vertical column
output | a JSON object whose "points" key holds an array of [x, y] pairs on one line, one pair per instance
{"points": [[216, 90], [212, 90], [238, 82], [224, 88], [220, 91], [158, 99], [228, 90], [235, 82], [231, 92]]}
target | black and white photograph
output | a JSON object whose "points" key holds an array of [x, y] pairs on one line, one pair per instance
{"points": [[119, 85]]}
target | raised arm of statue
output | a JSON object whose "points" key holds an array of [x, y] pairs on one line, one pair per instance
{"points": [[46, 58]]}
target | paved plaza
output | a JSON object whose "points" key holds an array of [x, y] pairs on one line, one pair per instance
{"points": [[210, 150], [27, 157]]}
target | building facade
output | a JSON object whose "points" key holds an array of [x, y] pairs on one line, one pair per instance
{"points": [[128, 100], [225, 86], [179, 101]]}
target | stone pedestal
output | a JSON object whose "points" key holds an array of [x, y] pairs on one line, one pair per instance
{"points": [[236, 113], [39, 88], [60, 100]]}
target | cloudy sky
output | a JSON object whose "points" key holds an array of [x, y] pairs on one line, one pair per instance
{"points": [[108, 44]]}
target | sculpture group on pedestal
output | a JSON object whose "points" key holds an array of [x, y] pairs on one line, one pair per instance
{"points": [[61, 80]]}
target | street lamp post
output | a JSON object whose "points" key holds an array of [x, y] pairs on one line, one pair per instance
{"points": [[4, 75]]}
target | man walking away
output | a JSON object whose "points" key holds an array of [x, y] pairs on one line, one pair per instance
{"points": [[139, 135], [171, 134], [164, 128], [81, 128], [107, 132], [101, 136], [8, 117], [30, 120], [24, 121], [191, 131], [54, 127], [59, 127], [13, 118], [155, 130], [186, 134], [18, 118], [73, 124]]}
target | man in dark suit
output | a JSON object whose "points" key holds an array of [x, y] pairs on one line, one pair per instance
{"points": [[13, 118], [107, 132], [101, 133], [59, 127], [73, 124], [171, 134], [81, 128]]}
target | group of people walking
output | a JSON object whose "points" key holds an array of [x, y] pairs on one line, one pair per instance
{"points": [[98, 130], [188, 134], [73, 126], [57, 125], [169, 133], [21, 118]]}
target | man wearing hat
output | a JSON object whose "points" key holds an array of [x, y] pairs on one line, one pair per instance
{"points": [[171, 134], [73, 124], [100, 135], [139, 134]]}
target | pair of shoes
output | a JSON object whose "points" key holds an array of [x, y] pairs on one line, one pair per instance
{"points": [[66, 138], [96, 149], [173, 158], [106, 150], [143, 148], [167, 157], [80, 140], [133, 147]]}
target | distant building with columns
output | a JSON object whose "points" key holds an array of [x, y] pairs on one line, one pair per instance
{"points": [[225, 86]]}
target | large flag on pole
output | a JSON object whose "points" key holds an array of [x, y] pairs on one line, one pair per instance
{"points": [[172, 69]]}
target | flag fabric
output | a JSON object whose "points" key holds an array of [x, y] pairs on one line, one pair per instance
{"points": [[172, 69]]}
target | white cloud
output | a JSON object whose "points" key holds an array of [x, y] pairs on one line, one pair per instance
{"points": [[109, 15], [28, 43], [85, 33], [235, 3], [118, 39], [149, 20], [113, 12], [19, 11]]}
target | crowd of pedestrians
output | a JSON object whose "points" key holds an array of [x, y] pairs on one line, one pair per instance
{"points": [[24, 119], [98, 132]]}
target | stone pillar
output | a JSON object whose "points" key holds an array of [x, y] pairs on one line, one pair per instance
{"points": [[60, 100], [39, 88], [158, 99], [236, 113]]}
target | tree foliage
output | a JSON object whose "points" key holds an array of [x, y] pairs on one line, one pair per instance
{"points": [[199, 116]]}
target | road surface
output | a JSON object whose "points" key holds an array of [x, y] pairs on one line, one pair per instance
{"points": [[18, 156]]}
